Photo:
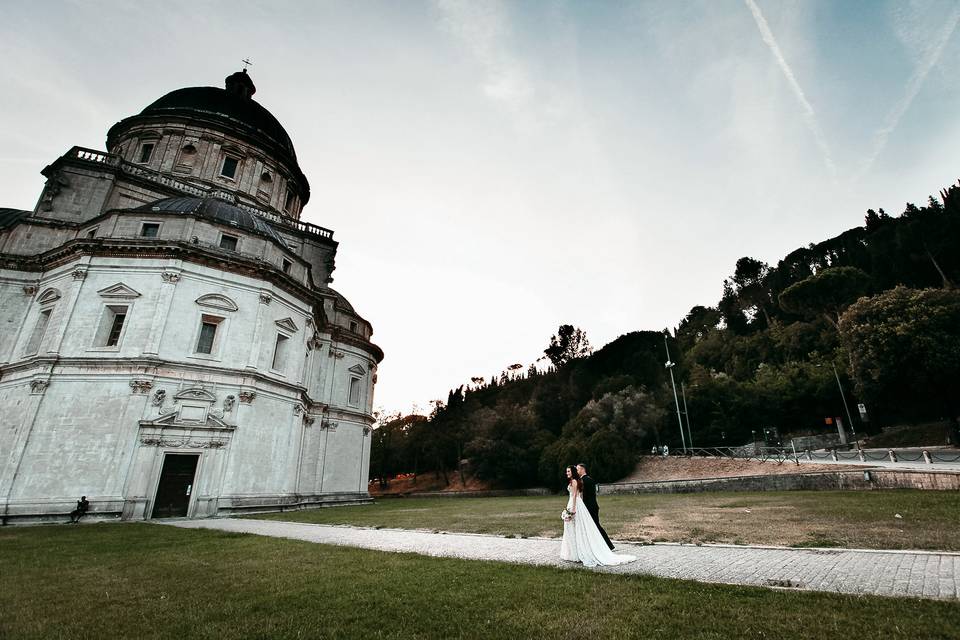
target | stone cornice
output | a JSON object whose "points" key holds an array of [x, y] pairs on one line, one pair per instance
{"points": [[340, 335], [140, 366], [197, 254], [348, 414], [144, 367], [176, 249], [147, 367]]}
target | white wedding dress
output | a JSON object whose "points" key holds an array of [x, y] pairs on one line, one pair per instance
{"points": [[582, 541]]}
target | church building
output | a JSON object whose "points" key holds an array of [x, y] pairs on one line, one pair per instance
{"points": [[170, 345]]}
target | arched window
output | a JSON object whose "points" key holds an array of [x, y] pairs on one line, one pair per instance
{"points": [[187, 157], [46, 302], [265, 188]]}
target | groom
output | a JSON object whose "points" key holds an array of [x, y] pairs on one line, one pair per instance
{"points": [[589, 496]]}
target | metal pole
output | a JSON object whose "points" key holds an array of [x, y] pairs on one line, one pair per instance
{"points": [[676, 401], [853, 429], [683, 392]]}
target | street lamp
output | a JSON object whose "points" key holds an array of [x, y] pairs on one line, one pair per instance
{"points": [[669, 365], [686, 413], [853, 429]]}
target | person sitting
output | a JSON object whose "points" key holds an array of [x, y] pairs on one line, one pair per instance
{"points": [[83, 505]]}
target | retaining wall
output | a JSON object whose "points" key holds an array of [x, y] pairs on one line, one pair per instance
{"points": [[865, 479]]}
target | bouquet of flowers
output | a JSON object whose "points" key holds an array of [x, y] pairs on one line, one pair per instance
{"points": [[566, 515]]}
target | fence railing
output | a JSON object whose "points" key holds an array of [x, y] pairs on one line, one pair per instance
{"points": [[783, 454]]}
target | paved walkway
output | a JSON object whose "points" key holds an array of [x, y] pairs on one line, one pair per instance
{"points": [[887, 573]]}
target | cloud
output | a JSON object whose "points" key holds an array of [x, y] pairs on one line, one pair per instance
{"points": [[809, 115], [927, 61], [483, 28]]}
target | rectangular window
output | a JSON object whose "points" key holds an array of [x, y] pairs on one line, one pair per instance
{"points": [[288, 203], [38, 330], [355, 392], [354, 327], [111, 327], [116, 327], [92, 233], [280, 352], [150, 230], [207, 340], [228, 242], [285, 265], [229, 168], [146, 150]]}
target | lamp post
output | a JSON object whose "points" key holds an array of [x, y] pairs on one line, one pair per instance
{"points": [[843, 397], [686, 413], [669, 365]]}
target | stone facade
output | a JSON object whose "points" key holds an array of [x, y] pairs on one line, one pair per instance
{"points": [[157, 311]]}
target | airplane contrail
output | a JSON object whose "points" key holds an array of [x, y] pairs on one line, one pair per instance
{"points": [[912, 89], [809, 115]]}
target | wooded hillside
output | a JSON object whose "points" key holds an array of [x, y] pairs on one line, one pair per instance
{"points": [[877, 304]]}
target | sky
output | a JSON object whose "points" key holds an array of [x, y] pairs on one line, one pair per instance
{"points": [[495, 169]]}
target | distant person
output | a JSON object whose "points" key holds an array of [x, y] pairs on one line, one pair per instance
{"points": [[666, 451], [83, 505], [653, 450]]}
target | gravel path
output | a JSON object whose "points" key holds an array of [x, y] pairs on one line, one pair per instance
{"points": [[888, 573]]}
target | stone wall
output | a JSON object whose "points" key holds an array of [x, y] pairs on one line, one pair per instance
{"points": [[826, 480]]}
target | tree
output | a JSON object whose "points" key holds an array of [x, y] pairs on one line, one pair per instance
{"points": [[904, 347], [507, 445], [569, 343], [749, 287], [929, 235], [697, 324], [392, 450], [826, 293], [605, 435]]}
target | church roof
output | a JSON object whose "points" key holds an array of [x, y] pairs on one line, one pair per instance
{"points": [[216, 211], [341, 301], [10, 217], [232, 107], [235, 110]]}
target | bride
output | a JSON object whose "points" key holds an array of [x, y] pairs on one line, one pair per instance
{"points": [[582, 541]]}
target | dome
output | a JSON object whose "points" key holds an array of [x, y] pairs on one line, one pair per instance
{"points": [[216, 211], [232, 107], [10, 217], [243, 114], [341, 302]]}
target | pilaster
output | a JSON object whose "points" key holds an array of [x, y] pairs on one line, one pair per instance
{"points": [[66, 308], [170, 277], [253, 359]]}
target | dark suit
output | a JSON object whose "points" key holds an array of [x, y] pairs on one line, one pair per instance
{"points": [[589, 496]]}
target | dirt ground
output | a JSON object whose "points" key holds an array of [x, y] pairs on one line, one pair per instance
{"points": [[427, 482], [654, 469], [649, 469]]}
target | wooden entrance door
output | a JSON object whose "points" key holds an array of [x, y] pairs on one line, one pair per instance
{"points": [[176, 485]]}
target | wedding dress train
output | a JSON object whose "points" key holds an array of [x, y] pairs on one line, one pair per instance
{"points": [[582, 541]]}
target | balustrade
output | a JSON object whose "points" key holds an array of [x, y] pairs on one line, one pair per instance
{"points": [[113, 160]]}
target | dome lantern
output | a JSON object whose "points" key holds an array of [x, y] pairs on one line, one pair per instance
{"points": [[240, 84]]}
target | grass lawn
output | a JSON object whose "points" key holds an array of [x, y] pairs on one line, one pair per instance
{"points": [[853, 519], [149, 581]]}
